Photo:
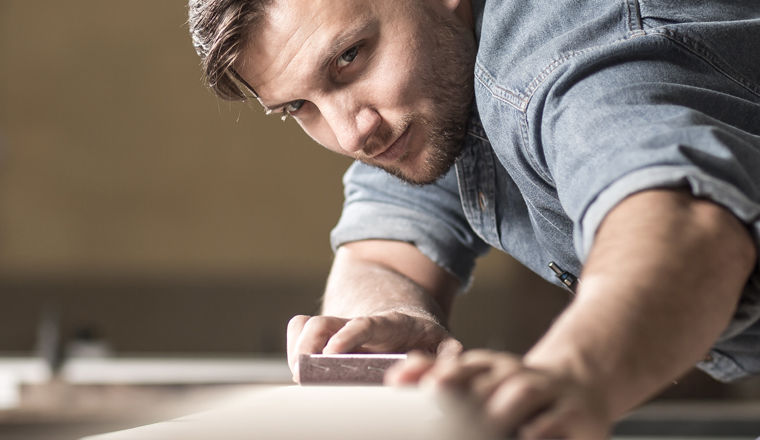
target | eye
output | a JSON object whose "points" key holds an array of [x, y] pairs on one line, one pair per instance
{"points": [[348, 56], [294, 106]]}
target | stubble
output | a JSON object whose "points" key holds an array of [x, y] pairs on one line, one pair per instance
{"points": [[446, 77]]}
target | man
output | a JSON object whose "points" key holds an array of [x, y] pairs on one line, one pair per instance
{"points": [[617, 140]]}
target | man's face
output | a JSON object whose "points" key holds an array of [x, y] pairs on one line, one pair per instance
{"points": [[386, 82]]}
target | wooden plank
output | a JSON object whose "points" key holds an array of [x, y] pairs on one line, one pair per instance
{"points": [[318, 413]]}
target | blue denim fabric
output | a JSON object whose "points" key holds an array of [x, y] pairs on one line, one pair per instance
{"points": [[586, 102]]}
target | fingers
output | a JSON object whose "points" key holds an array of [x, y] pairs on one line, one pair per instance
{"points": [[449, 348], [295, 327], [566, 420], [512, 398], [476, 372], [419, 363], [353, 335], [410, 370], [333, 335], [519, 399], [393, 333], [309, 334], [454, 373], [384, 333]]}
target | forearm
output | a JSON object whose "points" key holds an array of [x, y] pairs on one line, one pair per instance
{"points": [[659, 286], [383, 297], [360, 286]]}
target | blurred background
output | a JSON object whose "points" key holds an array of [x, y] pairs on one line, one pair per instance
{"points": [[141, 217]]}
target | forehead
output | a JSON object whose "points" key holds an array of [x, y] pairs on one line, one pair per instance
{"points": [[297, 33]]}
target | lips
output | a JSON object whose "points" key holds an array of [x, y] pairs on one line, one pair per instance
{"points": [[395, 150]]}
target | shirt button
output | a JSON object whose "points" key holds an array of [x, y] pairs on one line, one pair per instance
{"points": [[482, 200]]}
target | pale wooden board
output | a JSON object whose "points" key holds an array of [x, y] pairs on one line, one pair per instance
{"points": [[315, 413], [371, 412]]}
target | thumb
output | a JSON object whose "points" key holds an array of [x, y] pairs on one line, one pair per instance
{"points": [[449, 348]]}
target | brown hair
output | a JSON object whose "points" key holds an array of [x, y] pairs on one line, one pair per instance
{"points": [[221, 30]]}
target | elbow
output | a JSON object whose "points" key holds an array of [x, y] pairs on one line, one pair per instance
{"points": [[728, 240]]}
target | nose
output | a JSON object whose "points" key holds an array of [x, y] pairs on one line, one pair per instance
{"points": [[351, 122]]}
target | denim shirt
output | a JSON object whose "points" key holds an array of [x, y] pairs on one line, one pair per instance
{"points": [[579, 104]]}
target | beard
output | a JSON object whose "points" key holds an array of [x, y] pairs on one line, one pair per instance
{"points": [[446, 77]]}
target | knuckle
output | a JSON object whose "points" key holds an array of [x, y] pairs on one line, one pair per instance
{"points": [[339, 339], [297, 321], [507, 365], [571, 412], [362, 323], [356, 328], [476, 354], [449, 347], [319, 326], [509, 358], [544, 429], [525, 389], [316, 321]]}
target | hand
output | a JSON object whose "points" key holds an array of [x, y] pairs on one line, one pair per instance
{"points": [[387, 332], [513, 399]]}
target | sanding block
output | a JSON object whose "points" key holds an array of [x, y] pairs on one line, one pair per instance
{"points": [[345, 369]]}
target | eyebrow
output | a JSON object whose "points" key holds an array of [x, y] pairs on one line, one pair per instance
{"points": [[358, 27]]}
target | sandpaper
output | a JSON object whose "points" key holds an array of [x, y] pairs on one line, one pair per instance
{"points": [[345, 369]]}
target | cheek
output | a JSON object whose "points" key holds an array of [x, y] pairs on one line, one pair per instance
{"points": [[321, 132], [396, 83], [394, 77]]}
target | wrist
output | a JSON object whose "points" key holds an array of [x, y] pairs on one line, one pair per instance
{"points": [[580, 375], [417, 312], [566, 363], [566, 353]]}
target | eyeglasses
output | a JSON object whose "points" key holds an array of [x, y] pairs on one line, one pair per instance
{"points": [[244, 83], [253, 92]]}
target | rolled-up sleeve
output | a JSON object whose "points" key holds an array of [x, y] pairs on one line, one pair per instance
{"points": [[681, 125], [380, 206]]}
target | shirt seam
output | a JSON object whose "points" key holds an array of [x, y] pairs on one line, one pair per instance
{"points": [[533, 161], [635, 26], [513, 98], [464, 188], [709, 57], [520, 101]]}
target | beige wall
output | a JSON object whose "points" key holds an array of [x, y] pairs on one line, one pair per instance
{"points": [[118, 161]]}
